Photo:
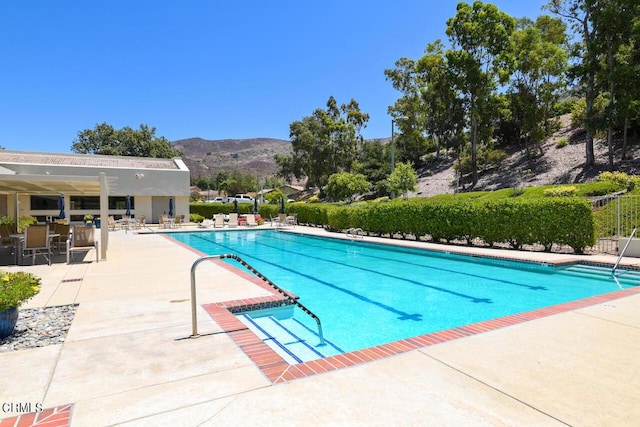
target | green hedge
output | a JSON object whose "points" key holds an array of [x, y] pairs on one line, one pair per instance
{"points": [[207, 210], [563, 221], [516, 221]]}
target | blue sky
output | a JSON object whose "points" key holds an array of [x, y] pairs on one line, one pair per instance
{"points": [[196, 68]]}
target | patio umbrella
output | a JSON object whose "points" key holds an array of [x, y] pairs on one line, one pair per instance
{"points": [[282, 205], [235, 206], [62, 214], [128, 211], [255, 206], [171, 207]]}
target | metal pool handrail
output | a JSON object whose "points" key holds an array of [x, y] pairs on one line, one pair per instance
{"points": [[194, 321], [613, 270]]}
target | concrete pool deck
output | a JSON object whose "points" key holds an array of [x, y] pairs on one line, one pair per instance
{"points": [[127, 359]]}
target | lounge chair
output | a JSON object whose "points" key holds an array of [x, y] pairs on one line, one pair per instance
{"points": [[36, 241], [206, 223], [250, 220], [81, 239], [218, 220], [233, 219]]}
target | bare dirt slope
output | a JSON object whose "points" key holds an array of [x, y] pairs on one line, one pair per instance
{"points": [[556, 166]]}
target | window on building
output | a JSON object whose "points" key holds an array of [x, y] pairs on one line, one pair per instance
{"points": [[92, 203], [45, 203]]}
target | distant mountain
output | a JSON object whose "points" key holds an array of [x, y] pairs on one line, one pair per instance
{"points": [[250, 156]]}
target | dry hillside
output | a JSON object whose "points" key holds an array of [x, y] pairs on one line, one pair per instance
{"points": [[556, 166], [255, 156]]}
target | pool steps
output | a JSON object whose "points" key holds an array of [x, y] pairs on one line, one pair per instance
{"points": [[624, 277], [291, 339]]}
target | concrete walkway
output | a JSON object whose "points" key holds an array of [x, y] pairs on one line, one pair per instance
{"points": [[128, 358]]}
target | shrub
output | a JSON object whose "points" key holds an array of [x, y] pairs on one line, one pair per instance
{"points": [[562, 142], [193, 217], [561, 191], [17, 288]]}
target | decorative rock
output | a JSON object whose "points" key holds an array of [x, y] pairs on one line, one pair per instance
{"points": [[39, 327]]}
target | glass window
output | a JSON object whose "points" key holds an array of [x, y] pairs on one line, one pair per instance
{"points": [[44, 203], [85, 203], [120, 202]]}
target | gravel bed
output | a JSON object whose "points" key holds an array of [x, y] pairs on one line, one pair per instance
{"points": [[39, 327]]}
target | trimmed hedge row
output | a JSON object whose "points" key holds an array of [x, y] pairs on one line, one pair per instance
{"points": [[518, 222], [207, 210], [545, 221]]}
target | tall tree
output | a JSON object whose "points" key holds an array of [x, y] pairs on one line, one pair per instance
{"points": [[324, 143], [612, 23], [408, 112], [538, 80], [578, 13], [481, 36], [444, 121], [106, 140]]}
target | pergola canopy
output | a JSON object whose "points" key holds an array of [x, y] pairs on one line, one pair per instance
{"points": [[52, 184]]}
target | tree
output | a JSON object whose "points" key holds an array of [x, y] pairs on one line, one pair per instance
{"points": [[403, 179], [345, 186], [324, 143], [578, 14], [106, 140], [275, 196], [538, 79], [409, 111], [481, 33]]}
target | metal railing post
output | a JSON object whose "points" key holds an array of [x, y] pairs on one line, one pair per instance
{"points": [[194, 319]]}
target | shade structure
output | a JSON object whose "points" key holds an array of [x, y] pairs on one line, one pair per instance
{"points": [[128, 211], [282, 205], [235, 206], [171, 207], [62, 214]]}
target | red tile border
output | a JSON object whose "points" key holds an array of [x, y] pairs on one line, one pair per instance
{"points": [[59, 416], [277, 370]]}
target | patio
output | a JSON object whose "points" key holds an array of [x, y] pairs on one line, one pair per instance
{"points": [[128, 358]]}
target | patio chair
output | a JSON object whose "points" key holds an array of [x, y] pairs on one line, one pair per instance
{"points": [[113, 225], [81, 239], [292, 219], [233, 219], [36, 241], [218, 220], [63, 231], [279, 221], [250, 220]]}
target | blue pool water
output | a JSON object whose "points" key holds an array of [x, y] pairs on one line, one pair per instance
{"points": [[368, 294]]}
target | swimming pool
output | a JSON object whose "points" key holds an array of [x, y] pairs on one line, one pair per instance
{"points": [[369, 294]]}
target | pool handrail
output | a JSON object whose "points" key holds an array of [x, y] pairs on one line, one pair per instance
{"points": [[288, 297], [615, 266]]}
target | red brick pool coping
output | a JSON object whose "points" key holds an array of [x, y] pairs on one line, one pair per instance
{"points": [[277, 370]]}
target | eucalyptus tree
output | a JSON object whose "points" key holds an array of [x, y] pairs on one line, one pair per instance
{"points": [[578, 13], [444, 110], [408, 113], [612, 21], [481, 35], [541, 61], [324, 143]]}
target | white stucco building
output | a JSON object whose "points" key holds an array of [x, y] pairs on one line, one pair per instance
{"points": [[32, 183]]}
